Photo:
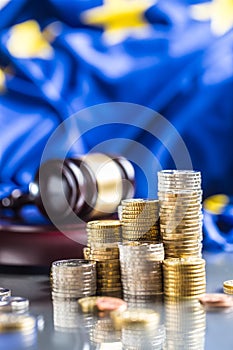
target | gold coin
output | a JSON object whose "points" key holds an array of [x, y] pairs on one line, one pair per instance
{"points": [[135, 318], [88, 304], [14, 322], [184, 262], [104, 223], [228, 284]]}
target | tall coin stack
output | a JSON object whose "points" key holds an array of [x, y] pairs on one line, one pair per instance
{"points": [[184, 277], [103, 238], [185, 325], [180, 197], [73, 278], [139, 219], [141, 269]]}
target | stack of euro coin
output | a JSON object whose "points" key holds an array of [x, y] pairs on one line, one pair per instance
{"points": [[185, 325], [73, 278], [180, 197], [103, 238], [141, 268], [184, 277], [139, 219], [228, 287]]}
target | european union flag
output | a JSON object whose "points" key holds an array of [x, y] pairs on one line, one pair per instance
{"points": [[173, 56]]}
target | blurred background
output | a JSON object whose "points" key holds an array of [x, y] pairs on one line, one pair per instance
{"points": [[175, 57]]}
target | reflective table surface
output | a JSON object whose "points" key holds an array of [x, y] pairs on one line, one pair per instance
{"points": [[183, 325]]}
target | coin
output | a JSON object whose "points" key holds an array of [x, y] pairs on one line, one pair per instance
{"points": [[216, 300], [4, 292], [135, 318], [111, 304], [13, 322], [228, 287], [4, 306], [88, 304], [17, 303]]}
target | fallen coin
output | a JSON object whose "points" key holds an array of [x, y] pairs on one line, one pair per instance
{"points": [[216, 300], [111, 304]]}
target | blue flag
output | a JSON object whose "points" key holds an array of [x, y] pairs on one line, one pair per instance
{"points": [[58, 58]]}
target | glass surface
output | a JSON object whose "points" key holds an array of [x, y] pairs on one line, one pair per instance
{"points": [[187, 325]]}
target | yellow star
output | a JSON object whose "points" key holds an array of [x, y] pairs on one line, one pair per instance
{"points": [[216, 203], [219, 12], [26, 40], [120, 18]]}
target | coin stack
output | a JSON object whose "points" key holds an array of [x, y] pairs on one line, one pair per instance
{"points": [[228, 287], [180, 197], [185, 325], [141, 269], [139, 219], [184, 277], [73, 278], [103, 231], [103, 238]]}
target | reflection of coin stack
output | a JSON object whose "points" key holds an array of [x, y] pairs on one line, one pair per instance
{"points": [[180, 198], [74, 278], [65, 315], [140, 329], [67, 318], [139, 219], [143, 339], [141, 268], [185, 325], [103, 239], [145, 302], [184, 277], [104, 334]]}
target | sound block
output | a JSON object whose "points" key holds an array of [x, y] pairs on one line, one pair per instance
{"points": [[39, 245]]}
